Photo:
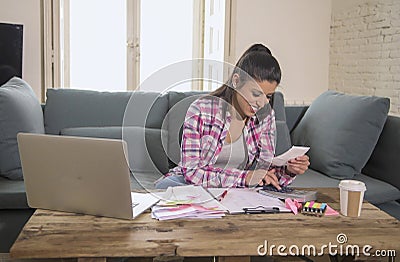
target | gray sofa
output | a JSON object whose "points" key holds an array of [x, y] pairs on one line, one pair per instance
{"points": [[155, 120]]}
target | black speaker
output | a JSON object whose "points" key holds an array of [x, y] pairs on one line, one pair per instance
{"points": [[11, 37]]}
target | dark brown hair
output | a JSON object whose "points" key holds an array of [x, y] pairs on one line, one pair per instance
{"points": [[256, 63]]}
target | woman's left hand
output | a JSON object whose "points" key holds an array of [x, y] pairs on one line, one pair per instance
{"points": [[298, 165]]}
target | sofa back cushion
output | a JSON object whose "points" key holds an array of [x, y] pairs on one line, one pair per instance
{"points": [[146, 109], [178, 104], [145, 149], [283, 140], [20, 111], [278, 104], [67, 108], [83, 108], [342, 130]]}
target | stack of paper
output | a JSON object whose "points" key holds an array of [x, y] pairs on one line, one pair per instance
{"points": [[190, 211], [189, 202]]}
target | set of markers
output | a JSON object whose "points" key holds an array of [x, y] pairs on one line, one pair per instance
{"points": [[314, 208]]}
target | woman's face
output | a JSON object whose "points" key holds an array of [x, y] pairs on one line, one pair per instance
{"points": [[252, 96]]}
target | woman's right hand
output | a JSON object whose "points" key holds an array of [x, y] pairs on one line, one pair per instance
{"points": [[255, 177], [261, 177]]}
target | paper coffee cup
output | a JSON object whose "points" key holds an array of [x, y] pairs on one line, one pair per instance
{"points": [[351, 197]]}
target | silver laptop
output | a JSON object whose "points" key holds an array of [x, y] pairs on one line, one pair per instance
{"points": [[76, 174]]}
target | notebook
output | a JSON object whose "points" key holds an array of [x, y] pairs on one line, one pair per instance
{"points": [[81, 175]]}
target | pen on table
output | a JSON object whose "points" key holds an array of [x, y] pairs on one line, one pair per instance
{"points": [[257, 210], [223, 195]]}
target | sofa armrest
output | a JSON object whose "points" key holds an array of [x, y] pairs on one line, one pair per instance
{"points": [[384, 163], [12, 194], [11, 223]]}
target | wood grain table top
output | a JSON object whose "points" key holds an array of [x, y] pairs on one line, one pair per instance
{"points": [[52, 234]]}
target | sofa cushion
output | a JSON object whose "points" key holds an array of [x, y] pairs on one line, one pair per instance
{"points": [[112, 132], [84, 108], [278, 104], [392, 208], [146, 109], [144, 180], [293, 115], [313, 178], [342, 131], [178, 104], [20, 111], [283, 140], [377, 191], [146, 151]]}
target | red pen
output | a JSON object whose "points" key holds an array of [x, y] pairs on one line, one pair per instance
{"points": [[223, 195]]}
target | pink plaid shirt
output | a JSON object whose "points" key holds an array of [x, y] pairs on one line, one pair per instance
{"points": [[204, 132]]}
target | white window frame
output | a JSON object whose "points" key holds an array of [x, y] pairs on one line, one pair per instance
{"points": [[56, 66], [133, 44]]}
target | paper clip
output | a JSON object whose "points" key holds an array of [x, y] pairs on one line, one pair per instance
{"points": [[261, 210]]}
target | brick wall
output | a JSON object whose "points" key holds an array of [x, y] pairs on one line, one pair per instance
{"points": [[365, 51]]}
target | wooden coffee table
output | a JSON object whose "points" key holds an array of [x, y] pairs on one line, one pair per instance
{"points": [[51, 234]]}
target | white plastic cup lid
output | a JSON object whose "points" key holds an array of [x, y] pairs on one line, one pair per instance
{"points": [[352, 185]]}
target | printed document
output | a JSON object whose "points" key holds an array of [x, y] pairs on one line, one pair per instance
{"points": [[142, 201]]}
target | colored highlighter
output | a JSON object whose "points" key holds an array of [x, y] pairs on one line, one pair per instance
{"points": [[314, 208]]}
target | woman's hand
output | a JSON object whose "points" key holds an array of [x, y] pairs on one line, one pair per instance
{"points": [[255, 177], [270, 178], [298, 165], [261, 177]]}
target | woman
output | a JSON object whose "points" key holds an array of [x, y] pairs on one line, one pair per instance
{"points": [[226, 133]]}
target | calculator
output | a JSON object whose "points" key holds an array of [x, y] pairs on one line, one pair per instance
{"points": [[288, 192]]}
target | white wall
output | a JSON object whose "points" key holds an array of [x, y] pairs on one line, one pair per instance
{"points": [[297, 32], [27, 12]]}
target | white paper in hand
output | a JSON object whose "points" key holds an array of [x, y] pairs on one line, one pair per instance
{"points": [[293, 152]]}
